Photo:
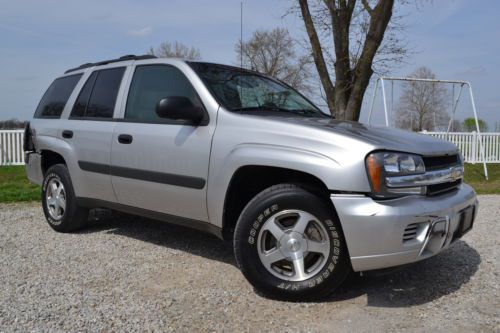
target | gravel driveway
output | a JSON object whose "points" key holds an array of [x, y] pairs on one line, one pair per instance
{"points": [[131, 274]]}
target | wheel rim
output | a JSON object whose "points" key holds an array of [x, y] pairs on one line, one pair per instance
{"points": [[293, 245], [55, 196]]}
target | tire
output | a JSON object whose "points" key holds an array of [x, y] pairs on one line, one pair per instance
{"points": [[310, 259], [59, 203]]}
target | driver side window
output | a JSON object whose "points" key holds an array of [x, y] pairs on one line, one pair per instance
{"points": [[150, 84]]}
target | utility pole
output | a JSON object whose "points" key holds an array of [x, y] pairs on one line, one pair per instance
{"points": [[241, 34]]}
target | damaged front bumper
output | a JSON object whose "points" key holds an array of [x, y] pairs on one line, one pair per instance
{"points": [[388, 233]]}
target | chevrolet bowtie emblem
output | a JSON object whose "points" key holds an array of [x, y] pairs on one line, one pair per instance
{"points": [[456, 173]]}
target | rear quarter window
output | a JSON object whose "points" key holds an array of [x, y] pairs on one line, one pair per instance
{"points": [[55, 98], [97, 98]]}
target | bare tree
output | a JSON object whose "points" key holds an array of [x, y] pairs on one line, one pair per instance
{"points": [[175, 50], [362, 40], [422, 105], [456, 126], [12, 124], [274, 52]]}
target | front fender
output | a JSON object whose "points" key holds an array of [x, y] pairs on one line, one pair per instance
{"points": [[331, 172]]}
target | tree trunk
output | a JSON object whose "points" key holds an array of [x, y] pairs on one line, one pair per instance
{"points": [[341, 17], [346, 96]]}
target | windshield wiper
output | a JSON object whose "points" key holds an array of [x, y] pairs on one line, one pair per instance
{"points": [[302, 112], [259, 108]]}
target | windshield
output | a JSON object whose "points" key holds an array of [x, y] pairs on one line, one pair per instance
{"points": [[242, 90]]}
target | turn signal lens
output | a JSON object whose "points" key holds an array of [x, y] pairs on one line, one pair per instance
{"points": [[375, 172]]}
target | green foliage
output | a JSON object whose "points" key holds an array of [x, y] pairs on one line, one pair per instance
{"points": [[14, 185], [469, 125]]}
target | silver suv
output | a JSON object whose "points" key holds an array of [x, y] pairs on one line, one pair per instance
{"points": [[305, 198]]}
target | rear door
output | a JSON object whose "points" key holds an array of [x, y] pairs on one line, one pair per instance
{"points": [[89, 131], [157, 164]]}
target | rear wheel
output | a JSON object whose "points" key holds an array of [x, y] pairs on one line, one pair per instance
{"points": [[289, 245], [59, 201]]}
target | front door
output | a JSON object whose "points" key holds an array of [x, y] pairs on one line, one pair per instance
{"points": [[157, 164]]}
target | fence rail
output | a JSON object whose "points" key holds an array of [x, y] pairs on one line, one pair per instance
{"points": [[469, 145], [11, 146]]}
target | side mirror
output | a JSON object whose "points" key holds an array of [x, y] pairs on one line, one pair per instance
{"points": [[179, 108]]}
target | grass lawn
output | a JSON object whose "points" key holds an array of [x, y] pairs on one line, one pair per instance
{"points": [[474, 175], [14, 185]]}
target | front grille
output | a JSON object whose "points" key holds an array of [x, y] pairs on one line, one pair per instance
{"points": [[410, 232], [443, 188], [440, 162]]}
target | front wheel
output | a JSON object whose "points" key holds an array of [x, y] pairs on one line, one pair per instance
{"points": [[289, 245]]}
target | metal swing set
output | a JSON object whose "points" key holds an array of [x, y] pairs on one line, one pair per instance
{"points": [[461, 84]]}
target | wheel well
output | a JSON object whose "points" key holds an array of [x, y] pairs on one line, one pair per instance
{"points": [[50, 158], [248, 181]]}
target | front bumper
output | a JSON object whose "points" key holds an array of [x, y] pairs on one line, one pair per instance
{"points": [[382, 234]]}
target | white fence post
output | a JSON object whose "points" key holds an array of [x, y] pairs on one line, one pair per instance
{"points": [[469, 145], [474, 147], [11, 147]]}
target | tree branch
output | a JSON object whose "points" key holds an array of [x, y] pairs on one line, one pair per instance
{"points": [[317, 52], [380, 18], [330, 4], [367, 7], [350, 6]]}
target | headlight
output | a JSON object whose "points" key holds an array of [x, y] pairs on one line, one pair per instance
{"points": [[381, 165]]}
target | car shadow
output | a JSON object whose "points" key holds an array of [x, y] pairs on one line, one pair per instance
{"points": [[404, 286], [414, 284], [161, 234]]}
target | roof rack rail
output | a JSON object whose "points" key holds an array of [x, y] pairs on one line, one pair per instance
{"points": [[105, 62]]}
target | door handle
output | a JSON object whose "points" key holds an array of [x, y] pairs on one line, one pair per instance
{"points": [[67, 134], [125, 139]]}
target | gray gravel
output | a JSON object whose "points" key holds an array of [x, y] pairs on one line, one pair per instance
{"points": [[131, 274]]}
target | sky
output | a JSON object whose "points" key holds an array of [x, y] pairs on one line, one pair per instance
{"points": [[39, 40]]}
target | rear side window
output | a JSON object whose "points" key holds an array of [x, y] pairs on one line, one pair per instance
{"points": [[98, 96], [56, 97]]}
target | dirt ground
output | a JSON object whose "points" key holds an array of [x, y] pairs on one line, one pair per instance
{"points": [[131, 274]]}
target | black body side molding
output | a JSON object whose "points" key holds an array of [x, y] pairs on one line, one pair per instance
{"points": [[150, 176], [177, 220]]}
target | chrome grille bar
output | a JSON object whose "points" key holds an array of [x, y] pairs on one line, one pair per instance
{"points": [[425, 179]]}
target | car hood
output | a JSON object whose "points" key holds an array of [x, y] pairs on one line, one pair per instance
{"points": [[380, 137]]}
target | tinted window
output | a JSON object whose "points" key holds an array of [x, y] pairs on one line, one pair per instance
{"points": [[56, 97], [247, 91], [98, 96], [81, 102], [103, 99], [152, 83]]}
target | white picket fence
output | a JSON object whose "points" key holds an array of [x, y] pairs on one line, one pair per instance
{"points": [[470, 145], [11, 146]]}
